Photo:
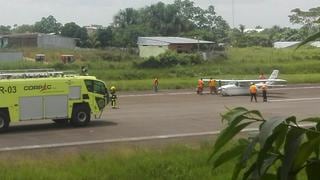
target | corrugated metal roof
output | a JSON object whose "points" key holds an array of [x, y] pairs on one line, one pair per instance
{"points": [[285, 44], [316, 44], [163, 41], [23, 35]]}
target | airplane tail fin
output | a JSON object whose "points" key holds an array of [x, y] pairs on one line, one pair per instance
{"points": [[274, 74]]}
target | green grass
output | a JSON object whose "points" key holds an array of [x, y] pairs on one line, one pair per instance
{"points": [[117, 67], [165, 162], [172, 162]]}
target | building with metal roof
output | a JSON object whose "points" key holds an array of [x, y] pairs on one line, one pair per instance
{"points": [[37, 40], [153, 46]]}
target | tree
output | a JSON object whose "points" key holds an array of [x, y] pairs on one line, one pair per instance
{"points": [[309, 18], [24, 28], [75, 31], [47, 25], [70, 30], [127, 37], [178, 19], [82, 34], [126, 17], [93, 41], [104, 36], [281, 149], [5, 29]]}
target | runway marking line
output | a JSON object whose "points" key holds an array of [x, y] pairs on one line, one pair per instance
{"points": [[119, 140], [295, 99]]}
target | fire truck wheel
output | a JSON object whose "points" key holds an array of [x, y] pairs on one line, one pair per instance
{"points": [[4, 122], [60, 121], [80, 116]]}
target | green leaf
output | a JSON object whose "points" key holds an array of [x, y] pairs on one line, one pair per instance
{"points": [[309, 39], [292, 119], [313, 170], [304, 152], [312, 135], [249, 171], [269, 177], [236, 171], [233, 114], [267, 128], [229, 154], [267, 153], [282, 133], [226, 135], [256, 112], [267, 163], [311, 119], [249, 150], [291, 146]]}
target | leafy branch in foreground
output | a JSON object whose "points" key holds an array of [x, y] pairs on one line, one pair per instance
{"points": [[281, 149], [309, 39]]}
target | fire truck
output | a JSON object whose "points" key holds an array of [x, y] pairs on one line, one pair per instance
{"points": [[28, 95]]}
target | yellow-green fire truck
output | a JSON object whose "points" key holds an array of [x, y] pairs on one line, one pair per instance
{"points": [[34, 95]]}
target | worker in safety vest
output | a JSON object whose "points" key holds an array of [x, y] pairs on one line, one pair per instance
{"points": [[264, 88], [155, 84], [253, 91], [200, 86], [213, 86], [113, 97]]}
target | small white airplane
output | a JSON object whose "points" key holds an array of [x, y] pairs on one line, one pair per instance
{"points": [[241, 87]]}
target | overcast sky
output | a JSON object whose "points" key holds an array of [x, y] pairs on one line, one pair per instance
{"points": [[250, 13]]}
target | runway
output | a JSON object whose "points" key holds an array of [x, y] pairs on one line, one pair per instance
{"points": [[167, 114]]}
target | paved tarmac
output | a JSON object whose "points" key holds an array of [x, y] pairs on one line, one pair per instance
{"points": [[166, 114]]}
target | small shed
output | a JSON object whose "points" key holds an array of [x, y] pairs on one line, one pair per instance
{"points": [[40, 57], [153, 46], [67, 58]]}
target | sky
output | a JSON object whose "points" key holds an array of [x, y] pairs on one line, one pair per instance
{"points": [[250, 13]]}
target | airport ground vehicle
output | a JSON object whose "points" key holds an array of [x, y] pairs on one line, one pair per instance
{"points": [[49, 94]]}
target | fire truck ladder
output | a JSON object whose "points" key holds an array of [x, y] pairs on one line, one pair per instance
{"points": [[34, 73]]}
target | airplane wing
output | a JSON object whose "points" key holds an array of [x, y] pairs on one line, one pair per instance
{"points": [[246, 80]]}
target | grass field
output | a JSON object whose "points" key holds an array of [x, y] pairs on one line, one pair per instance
{"points": [[172, 162], [117, 67]]}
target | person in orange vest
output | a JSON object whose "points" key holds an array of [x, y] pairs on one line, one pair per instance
{"points": [[212, 86], [264, 88], [200, 86], [253, 91], [155, 84]]}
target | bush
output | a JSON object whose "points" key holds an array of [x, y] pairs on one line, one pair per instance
{"points": [[151, 62], [281, 149], [170, 59]]}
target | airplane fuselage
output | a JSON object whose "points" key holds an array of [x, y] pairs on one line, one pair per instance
{"points": [[232, 90]]}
